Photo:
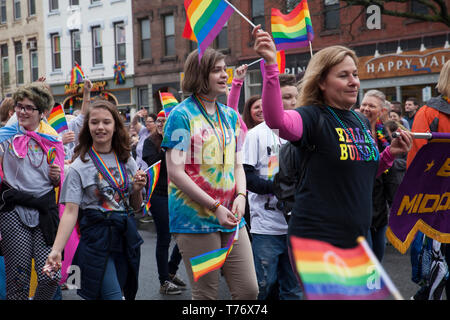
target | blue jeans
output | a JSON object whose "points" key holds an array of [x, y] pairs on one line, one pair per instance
{"points": [[272, 264], [377, 241], [160, 214], [2, 279], [110, 285]]}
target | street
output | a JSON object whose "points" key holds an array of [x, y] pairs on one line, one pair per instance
{"points": [[397, 266]]}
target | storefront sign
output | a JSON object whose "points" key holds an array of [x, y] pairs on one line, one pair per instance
{"points": [[74, 89], [405, 64]]}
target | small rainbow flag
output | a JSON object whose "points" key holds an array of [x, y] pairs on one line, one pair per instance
{"points": [[152, 180], [207, 18], [281, 61], [168, 102], [331, 273], [294, 29], [77, 75], [57, 119], [212, 260]]}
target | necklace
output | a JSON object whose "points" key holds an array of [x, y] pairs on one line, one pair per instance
{"points": [[107, 174], [379, 130], [372, 153], [221, 139], [205, 98]]}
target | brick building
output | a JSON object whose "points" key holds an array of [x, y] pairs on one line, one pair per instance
{"points": [[402, 58]]}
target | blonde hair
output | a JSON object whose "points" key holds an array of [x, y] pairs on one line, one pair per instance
{"points": [[443, 85], [317, 70]]}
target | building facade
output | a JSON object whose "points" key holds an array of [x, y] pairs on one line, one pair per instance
{"points": [[22, 45], [98, 36], [401, 57]]}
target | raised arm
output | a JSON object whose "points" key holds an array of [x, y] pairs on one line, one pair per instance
{"points": [[235, 92], [288, 122]]}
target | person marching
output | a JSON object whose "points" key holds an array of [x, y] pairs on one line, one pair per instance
{"points": [[102, 188], [207, 181]]}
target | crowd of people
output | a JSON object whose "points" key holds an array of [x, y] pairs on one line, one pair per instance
{"points": [[217, 172]]}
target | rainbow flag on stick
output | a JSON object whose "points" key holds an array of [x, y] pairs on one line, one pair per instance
{"points": [[57, 119], [294, 29], [331, 273], [76, 75], [152, 180], [207, 18], [168, 102], [212, 260]]}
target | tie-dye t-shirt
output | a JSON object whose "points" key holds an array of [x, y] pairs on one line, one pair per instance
{"points": [[187, 129]]}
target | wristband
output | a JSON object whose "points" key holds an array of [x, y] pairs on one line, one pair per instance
{"points": [[241, 194], [214, 207]]}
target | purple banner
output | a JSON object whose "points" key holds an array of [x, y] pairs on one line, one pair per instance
{"points": [[422, 201]]}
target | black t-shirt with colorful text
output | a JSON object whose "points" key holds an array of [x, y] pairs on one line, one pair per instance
{"points": [[333, 202]]}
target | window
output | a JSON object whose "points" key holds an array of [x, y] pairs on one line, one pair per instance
{"points": [[332, 15], [254, 83], [53, 5], [143, 97], [56, 52], [97, 45], [31, 8], [258, 12], [418, 7], [169, 35], [34, 65], [146, 51], [74, 2], [221, 42], [19, 62], [2, 11], [17, 13], [120, 41], [291, 4], [5, 64], [76, 46]]}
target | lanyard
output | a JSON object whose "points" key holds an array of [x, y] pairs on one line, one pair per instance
{"points": [[103, 169], [222, 141]]}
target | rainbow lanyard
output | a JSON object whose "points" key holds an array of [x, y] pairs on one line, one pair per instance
{"points": [[103, 169], [202, 108]]}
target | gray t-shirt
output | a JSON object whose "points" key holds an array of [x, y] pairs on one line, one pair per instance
{"points": [[29, 174], [85, 186]]}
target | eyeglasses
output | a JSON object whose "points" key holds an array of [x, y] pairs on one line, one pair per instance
{"points": [[160, 121], [28, 108]]}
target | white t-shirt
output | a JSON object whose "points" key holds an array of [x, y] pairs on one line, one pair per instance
{"points": [[261, 149]]}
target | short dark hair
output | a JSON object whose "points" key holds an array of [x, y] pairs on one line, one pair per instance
{"points": [[287, 80], [413, 100], [196, 73]]}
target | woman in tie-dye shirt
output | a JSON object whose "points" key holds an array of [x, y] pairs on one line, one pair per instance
{"points": [[206, 178]]}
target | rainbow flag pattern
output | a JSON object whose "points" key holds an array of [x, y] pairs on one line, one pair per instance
{"points": [[207, 18], [119, 73], [212, 260], [168, 102], [330, 273], [294, 29], [152, 180], [76, 75], [187, 31], [281, 61], [57, 119]]}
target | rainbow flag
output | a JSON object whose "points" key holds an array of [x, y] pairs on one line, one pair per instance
{"points": [[294, 29], [281, 62], [76, 75], [187, 31], [152, 180], [331, 273], [57, 119], [207, 18], [212, 260], [168, 102]]}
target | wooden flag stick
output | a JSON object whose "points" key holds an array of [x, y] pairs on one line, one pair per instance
{"points": [[394, 291], [240, 13]]}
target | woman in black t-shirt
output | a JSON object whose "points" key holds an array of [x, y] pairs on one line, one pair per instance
{"points": [[333, 202], [167, 269]]}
